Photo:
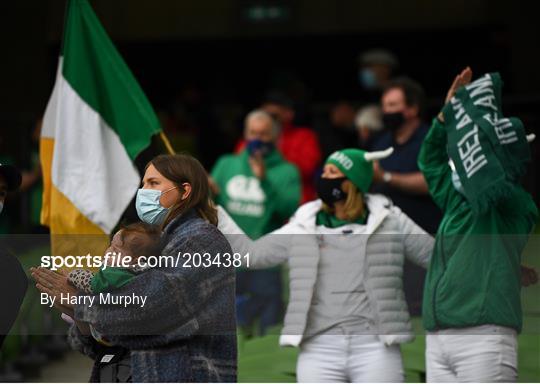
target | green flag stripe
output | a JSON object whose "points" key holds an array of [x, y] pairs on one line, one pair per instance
{"points": [[99, 75]]}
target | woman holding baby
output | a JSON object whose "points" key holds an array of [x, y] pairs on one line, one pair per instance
{"points": [[187, 330]]}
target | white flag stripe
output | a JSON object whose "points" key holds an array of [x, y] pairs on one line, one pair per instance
{"points": [[90, 165], [51, 112]]}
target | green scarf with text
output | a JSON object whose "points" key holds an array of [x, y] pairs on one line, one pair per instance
{"points": [[489, 151]]}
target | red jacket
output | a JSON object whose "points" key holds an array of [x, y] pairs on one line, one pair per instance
{"points": [[300, 146]]}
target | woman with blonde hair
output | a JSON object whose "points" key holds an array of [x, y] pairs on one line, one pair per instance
{"points": [[345, 251]]}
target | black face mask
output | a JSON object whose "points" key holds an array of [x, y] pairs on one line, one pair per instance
{"points": [[329, 190], [393, 121]]}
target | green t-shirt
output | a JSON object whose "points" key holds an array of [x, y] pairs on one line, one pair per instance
{"points": [[257, 206]]}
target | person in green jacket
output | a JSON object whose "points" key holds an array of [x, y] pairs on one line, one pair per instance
{"points": [[260, 190], [471, 306]]}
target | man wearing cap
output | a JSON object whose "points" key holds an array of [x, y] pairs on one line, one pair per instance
{"points": [[13, 280]]}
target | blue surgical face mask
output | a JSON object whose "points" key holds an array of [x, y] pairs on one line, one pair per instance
{"points": [[264, 147], [149, 209], [367, 78]]}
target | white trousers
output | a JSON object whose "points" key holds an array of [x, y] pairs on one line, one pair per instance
{"points": [[348, 358], [487, 353]]}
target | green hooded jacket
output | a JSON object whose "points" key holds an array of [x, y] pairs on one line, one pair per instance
{"points": [[257, 206], [474, 274]]}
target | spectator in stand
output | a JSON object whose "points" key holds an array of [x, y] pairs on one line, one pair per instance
{"points": [[398, 176], [260, 190], [299, 145], [339, 131], [376, 68]]}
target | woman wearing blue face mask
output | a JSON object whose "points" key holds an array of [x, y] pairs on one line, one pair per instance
{"points": [[171, 186], [186, 331]]}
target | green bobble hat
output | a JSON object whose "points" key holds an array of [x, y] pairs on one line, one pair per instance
{"points": [[357, 165]]}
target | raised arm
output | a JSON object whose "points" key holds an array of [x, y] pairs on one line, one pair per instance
{"points": [[433, 157], [433, 162], [268, 251]]}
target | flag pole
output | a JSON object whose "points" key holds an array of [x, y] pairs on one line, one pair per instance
{"points": [[167, 143]]}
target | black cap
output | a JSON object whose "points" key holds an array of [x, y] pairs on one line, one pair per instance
{"points": [[11, 175]]}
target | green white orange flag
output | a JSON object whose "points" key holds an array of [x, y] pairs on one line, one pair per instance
{"points": [[97, 121]]}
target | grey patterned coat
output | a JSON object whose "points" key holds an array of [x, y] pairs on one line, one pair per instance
{"points": [[186, 331]]}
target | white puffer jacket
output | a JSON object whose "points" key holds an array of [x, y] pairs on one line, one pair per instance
{"points": [[392, 237]]}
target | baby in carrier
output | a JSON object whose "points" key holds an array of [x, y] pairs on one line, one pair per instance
{"points": [[135, 240]]}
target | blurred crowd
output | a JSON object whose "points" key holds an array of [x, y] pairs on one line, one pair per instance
{"points": [[280, 137], [277, 148]]}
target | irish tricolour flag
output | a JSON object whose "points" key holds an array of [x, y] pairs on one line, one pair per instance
{"points": [[96, 122]]}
